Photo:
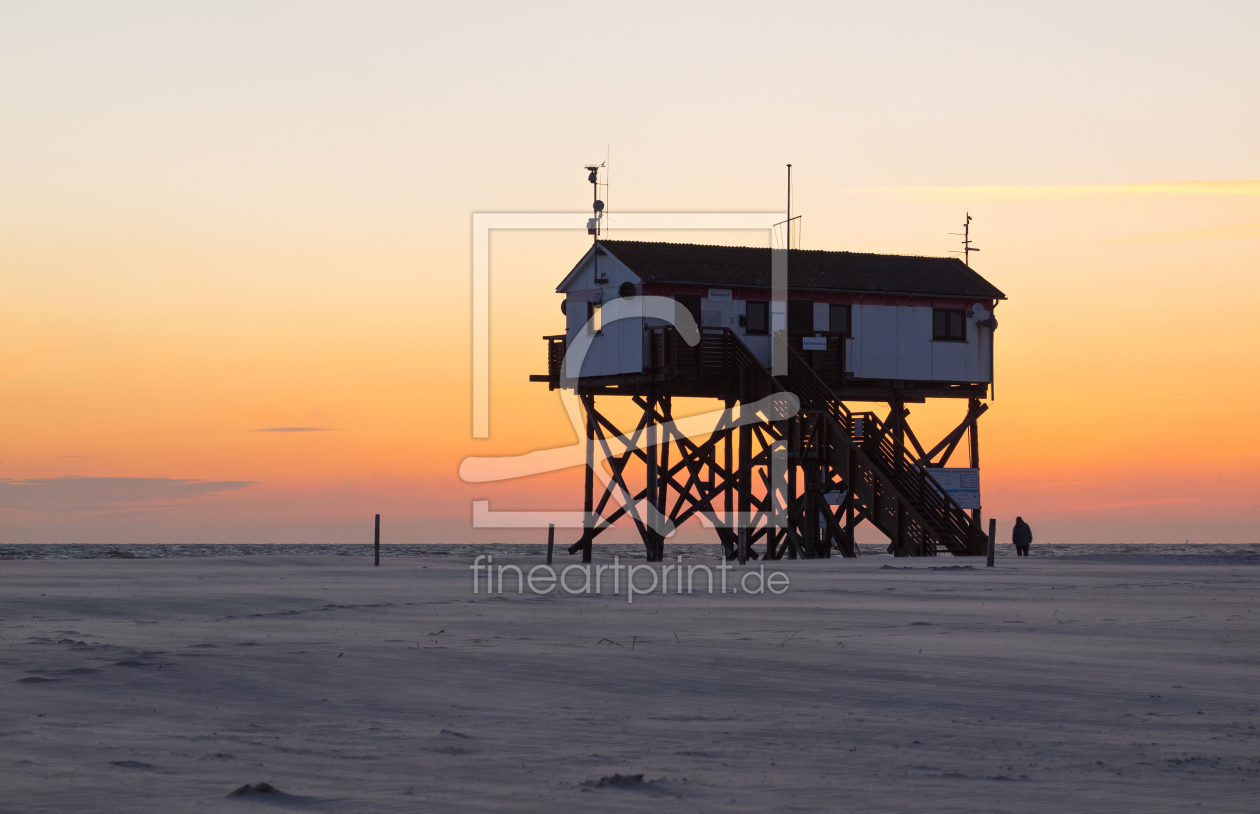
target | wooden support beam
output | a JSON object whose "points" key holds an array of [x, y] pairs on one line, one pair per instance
{"points": [[952, 438], [728, 493], [811, 513], [843, 541], [588, 499], [850, 482], [653, 479], [617, 465], [974, 432], [618, 481], [913, 440], [662, 497], [899, 434]]}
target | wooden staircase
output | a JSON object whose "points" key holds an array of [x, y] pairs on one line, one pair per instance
{"points": [[894, 491]]}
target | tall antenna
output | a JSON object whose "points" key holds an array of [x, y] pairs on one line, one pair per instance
{"points": [[787, 224], [593, 224], [967, 248]]}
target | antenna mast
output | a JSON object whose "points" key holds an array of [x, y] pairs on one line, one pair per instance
{"points": [[593, 224], [967, 248], [787, 224]]}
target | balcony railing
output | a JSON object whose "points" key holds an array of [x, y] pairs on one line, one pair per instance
{"points": [[667, 356]]}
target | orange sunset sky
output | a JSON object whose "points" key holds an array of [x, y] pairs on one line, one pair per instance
{"points": [[220, 219]]}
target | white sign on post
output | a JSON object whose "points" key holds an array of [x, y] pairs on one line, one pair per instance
{"points": [[962, 484], [813, 343]]}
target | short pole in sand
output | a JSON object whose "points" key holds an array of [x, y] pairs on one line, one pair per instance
{"points": [[378, 540], [551, 540], [992, 541]]}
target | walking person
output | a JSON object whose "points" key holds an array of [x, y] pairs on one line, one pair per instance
{"points": [[1021, 536]]}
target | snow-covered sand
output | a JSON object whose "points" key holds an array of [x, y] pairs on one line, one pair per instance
{"points": [[1072, 684]]}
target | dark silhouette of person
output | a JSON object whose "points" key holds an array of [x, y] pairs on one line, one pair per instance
{"points": [[1021, 536]]}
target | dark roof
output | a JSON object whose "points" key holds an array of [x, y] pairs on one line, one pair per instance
{"points": [[748, 267]]}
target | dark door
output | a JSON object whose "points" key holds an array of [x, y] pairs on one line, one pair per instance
{"points": [[692, 303], [800, 316]]}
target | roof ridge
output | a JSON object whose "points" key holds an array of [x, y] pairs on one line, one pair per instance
{"points": [[767, 248], [817, 269]]}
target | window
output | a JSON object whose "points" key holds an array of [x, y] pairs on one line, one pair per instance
{"points": [[840, 320], [758, 317], [949, 325], [594, 318], [800, 316]]}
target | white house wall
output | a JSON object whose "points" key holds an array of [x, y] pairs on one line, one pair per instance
{"points": [[980, 347], [875, 341], [619, 347], [949, 361], [914, 344], [895, 342]]}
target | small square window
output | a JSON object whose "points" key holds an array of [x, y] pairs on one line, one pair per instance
{"points": [[758, 317], [949, 325]]}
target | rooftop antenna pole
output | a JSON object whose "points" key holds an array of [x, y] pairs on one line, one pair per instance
{"points": [[967, 240], [592, 225], [967, 248], [787, 224]]}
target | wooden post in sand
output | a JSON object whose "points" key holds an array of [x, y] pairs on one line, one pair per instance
{"points": [[378, 540], [992, 541], [551, 540]]}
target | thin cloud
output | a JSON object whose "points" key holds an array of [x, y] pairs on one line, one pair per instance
{"points": [[1159, 502], [75, 495], [1238, 231], [1243, 186], [295, 429]]}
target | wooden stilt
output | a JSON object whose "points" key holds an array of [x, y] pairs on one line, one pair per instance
{"points": [[850, 485], [898, 549], [792, 509], [745, 472], [588, 502], [662, 500], [745, 489], [811, 512], [728, 497], [652, 485], [974, 432]]}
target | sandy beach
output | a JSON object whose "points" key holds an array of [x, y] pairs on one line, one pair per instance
{"points": [[1071, 684]]}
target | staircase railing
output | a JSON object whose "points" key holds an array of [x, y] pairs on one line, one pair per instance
{"points": [[947, 522], [908, 509]]}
